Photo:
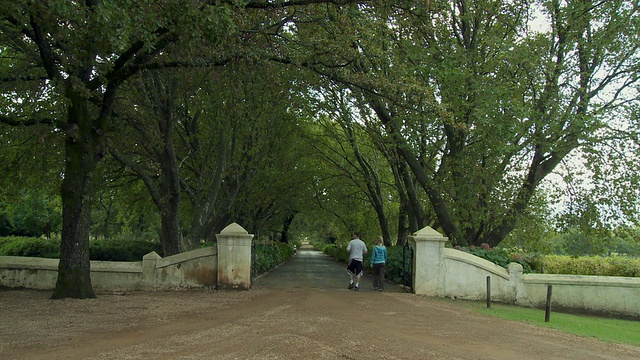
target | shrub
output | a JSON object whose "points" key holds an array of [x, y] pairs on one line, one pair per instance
{"points": [[499, 256], [337, 252], [122, 250], [495, 255], [395, 264], [269, 254], [592, 265], [105, 250], [528, 261], [30, 247], [624, 266], [319, 244], [296, 243]]}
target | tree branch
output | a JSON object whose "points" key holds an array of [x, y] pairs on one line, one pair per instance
{"points": [[12, 121]]}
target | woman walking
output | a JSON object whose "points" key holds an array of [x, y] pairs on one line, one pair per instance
{"points": [[378, 263]]}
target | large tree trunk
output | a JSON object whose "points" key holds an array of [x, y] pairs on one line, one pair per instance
{"points": [[171, 236], [415, 211], [165, 191], [169, 203], [372, 182], [165, 195], [284, 237], [83, 152]]}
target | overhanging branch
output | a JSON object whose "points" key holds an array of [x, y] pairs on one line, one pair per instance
{"points": [[13, 121]]}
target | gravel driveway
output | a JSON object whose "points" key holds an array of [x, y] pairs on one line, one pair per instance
{"points": [[302, 310]]}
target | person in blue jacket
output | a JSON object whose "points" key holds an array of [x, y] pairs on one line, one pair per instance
{"points": [[379, 263]]}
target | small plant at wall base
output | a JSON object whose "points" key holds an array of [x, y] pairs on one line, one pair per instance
{"points": [[395, 263]]}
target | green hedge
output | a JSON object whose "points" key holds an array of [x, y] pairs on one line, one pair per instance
{"points": [[122, 250], [270, 254], [591, 265], [337, 252], [560, 264], [31, 247], [101, 250]]}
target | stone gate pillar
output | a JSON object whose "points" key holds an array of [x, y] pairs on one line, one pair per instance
{"points": [[428, 263], [149, 263], [234, 258]]}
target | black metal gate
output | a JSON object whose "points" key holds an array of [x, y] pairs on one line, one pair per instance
{"points": [[407, 267]]}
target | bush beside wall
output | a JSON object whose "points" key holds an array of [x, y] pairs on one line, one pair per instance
{"points": [[99, 250], [591, 265]]}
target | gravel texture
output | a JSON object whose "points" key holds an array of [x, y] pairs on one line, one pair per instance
{"points": [[291, 314]]}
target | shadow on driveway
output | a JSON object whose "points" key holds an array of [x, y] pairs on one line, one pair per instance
{"points": [[311, 269]]}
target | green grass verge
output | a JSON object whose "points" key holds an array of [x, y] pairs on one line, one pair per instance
{"points": [[604, 329]]}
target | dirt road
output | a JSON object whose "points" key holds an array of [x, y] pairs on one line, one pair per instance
{"points": [[300, 311]]}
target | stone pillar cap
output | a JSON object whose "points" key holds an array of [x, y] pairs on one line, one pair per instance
{"points": [[429, 232], [152, 256], [234, 229]]}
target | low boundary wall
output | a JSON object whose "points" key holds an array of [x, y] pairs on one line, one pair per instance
{"points": [[226, 266], [192, 269], [439, 271]]}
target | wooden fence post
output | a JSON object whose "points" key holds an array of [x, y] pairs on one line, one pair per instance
{"points": [[547, 312], [488, 292]]}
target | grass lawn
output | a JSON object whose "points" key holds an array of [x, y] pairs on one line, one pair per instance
{"points": [[605, 329]]}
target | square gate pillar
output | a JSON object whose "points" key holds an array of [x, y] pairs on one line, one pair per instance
{"points": [[234, 258], [428, 262]]}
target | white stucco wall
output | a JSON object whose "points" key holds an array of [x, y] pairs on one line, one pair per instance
{"points": [[28, 272], [197, 268], [453, 273], [116, 276], [612, 294], [466, 277]]}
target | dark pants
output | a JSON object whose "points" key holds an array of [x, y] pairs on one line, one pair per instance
{"points": [[378, 275]]}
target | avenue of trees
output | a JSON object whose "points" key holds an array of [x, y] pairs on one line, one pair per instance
{"points": [[490, 121]]}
